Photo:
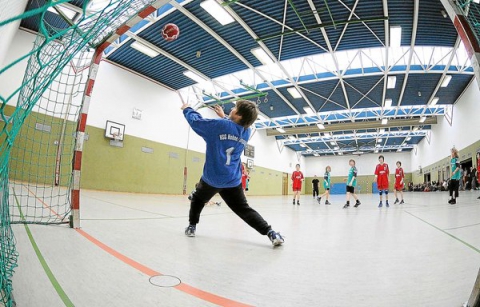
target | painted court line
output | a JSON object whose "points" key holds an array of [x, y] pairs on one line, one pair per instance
{"points": [[447, 233], [56, 285], [203, 295]]}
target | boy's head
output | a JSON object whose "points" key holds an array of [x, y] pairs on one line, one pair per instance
{"points": [[399, 164], [328, 169], [244, 113], [297, 167], [454, 152], [381, 159], [351, 162]]}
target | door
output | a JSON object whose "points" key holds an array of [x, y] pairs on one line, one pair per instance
{"points": [[285, 184]]}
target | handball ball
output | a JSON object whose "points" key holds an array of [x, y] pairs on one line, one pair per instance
{"points": [[170, 32]]}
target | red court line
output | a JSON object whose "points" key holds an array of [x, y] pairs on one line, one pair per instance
{"points": [[203, 295], [43, 203]]}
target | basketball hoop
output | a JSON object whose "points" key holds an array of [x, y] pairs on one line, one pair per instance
{"points": [[117, 136]]}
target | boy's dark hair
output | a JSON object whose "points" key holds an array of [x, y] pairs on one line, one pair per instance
{"points": [[383, 158], [399, 163], [248, 111], [297, 165]]}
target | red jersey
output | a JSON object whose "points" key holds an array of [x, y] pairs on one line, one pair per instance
{"points": [[297, 177], [244, 177], [399, 176], [478, 170], [382, 172]]}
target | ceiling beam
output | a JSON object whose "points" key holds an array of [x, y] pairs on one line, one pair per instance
{"points": [[353, 126]]}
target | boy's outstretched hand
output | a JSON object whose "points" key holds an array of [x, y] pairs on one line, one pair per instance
{"points": [[219, 110], [184, 106]]}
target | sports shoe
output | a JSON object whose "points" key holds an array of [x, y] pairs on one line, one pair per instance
{"points": [[294, 201], [319, 200], [452, 201], [346, 206], [357, 203], [327, 203], [380, 205], [387, 204], [402, 202], [396, 201], [298, 203], [190, 231], [275, 237]]}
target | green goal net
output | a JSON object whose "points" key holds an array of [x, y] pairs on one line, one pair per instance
{"points": [[39, 117]]}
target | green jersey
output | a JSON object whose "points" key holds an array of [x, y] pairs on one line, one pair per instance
{"points": [[352, 173], [326, 180], [454, 166]]}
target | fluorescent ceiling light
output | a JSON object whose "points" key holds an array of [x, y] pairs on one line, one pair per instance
{"points": [[384, 121], [395, 36], [67, 12], [340, 153], [434, 101], [262, 56], [316, 154], [291, 137], [308, 110], [447, 78], [333, 143], [399, 149], [415, 128], [144, 49], [217, 12], [194, 76], [326, 134], [391, 81], [388, 103], [382, 130], [379, 145], [376, 151], [422, 119], [336, 147], [321, 126], [408, 138], [303, 145], [281, 130], [379, 140], [294, 92]]}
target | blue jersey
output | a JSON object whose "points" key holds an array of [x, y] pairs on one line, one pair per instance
{"points": [[225, 143]]}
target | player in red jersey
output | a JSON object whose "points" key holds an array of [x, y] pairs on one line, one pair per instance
{"points": [[381, 176], [399, 185], [244, 176], [297, 178]]}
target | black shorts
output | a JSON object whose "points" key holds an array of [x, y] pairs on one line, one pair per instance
{"points": [[350, 189]]}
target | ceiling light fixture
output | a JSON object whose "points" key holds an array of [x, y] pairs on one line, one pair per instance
{"points": [[281, 130], [395, 36], [336, 147], [291, 137], [447, 79], [382, 130], [391, 82], [217, 12], [316, 155], [384, 121], [388, 103], [262, 56], [294, 92], [303, 145], [194, 76], [340, 153], [415, 128], [328, 134], [422, 119], [399, 150], [408, 138], [379, 140], [144, 49], [333, 143], [321, 126], [308, 110]]}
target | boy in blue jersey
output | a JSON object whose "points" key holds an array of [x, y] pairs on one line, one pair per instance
{"points": [[222, 172], [455, 177], [351, 184]]}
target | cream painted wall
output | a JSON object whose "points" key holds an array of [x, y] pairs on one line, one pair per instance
{"points": [[8, 10], [365, 163], [465, 130]]}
